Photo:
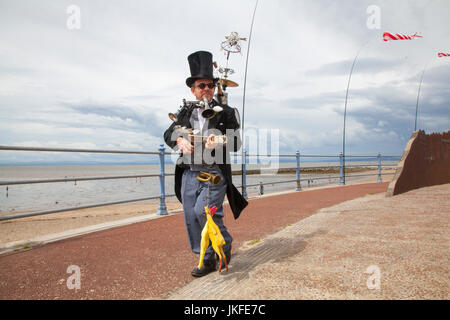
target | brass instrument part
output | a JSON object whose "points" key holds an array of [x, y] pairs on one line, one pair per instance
{"points": [[207, 176], [228, 83], [219, 139]]}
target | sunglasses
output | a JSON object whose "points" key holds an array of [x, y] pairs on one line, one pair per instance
{"points": [[204, 85]]}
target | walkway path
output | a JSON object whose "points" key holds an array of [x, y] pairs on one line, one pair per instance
{"points": [[151, 260]]}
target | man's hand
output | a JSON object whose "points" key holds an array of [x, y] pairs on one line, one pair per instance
{"points": [[185, 146], [211, 142]]}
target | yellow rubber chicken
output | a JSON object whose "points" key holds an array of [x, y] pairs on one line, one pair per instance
{"points": [[212, 232]]}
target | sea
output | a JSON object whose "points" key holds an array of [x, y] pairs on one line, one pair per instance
{"points": [[16, 198]]}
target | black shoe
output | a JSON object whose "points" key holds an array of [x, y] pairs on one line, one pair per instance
{"points": [[208, 267]]}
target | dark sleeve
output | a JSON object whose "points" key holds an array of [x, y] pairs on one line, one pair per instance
{"points": [[168, 137], [183, 120]]}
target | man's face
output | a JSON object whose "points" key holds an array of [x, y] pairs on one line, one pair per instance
{"points": [[206, 92]]}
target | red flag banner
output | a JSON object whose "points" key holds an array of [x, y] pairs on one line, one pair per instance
{"points": [[389, 36], [442, 54]]}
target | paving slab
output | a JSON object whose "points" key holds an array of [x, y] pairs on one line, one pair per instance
{"points": [[372, 247]]}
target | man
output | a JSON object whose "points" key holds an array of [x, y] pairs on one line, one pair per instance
{"points": [[206, 156]]}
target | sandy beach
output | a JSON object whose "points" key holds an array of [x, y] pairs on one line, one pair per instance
{"points": [[28, 228]]}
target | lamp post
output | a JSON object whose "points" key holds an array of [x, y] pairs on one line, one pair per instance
{"points": [[440, 55], [243, 101], [345, 111], [387, 37], [418, 94], [417, 102]]}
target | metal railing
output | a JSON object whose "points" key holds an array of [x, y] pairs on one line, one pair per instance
{"points": [[162, 208], [298, 168]]}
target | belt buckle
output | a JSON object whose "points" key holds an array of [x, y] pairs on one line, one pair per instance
{"points": [[208, 176]]}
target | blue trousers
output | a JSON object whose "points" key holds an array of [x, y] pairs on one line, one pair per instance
{"points": [[195, 196]]}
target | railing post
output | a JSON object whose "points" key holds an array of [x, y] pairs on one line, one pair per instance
{"points": [[244, 176], [299, 186], [379, 167], [341, 169], [162, 209]]}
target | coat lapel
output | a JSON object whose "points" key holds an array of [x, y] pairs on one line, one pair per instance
{"points": [[212, 123]]}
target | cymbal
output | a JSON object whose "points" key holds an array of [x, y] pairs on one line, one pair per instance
{"points": [[228, 83]]}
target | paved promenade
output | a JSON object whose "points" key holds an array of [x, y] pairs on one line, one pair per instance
{"points": [[314, 244]]}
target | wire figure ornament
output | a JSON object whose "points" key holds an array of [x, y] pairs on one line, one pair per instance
{"points": [[230, 45]]}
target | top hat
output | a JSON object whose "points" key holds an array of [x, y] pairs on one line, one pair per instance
{"points": [[201, 66]]}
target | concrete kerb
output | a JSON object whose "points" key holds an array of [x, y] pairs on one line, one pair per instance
{"points": [[38, 241]]}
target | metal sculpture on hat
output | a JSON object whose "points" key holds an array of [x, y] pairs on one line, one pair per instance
{"points": [[230, 45], [201, 67]]}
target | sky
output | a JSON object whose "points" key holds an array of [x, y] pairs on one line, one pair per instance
{"points": [[104, 74]]}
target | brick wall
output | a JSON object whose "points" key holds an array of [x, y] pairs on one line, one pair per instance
{"points": [[425, 162]]}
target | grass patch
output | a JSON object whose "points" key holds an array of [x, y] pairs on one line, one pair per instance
{"points": [[23, 248], [250, 243]]}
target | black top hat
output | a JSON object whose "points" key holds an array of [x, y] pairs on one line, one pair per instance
{"points": [[201, 66]]}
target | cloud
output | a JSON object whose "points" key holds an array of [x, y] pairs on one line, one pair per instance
{"points": [[112, 83], [364, 65]]}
